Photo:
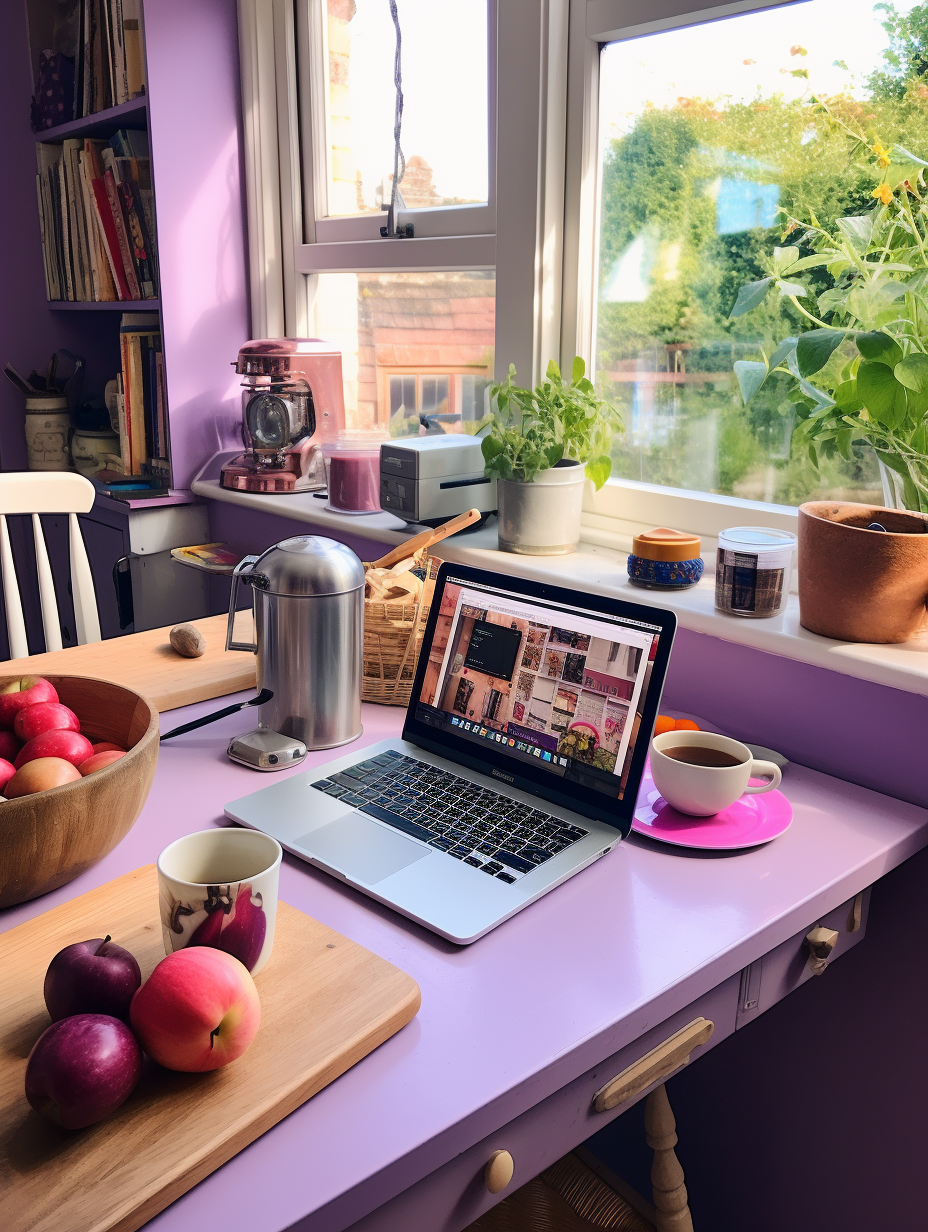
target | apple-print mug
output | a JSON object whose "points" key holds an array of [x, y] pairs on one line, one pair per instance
{"points": [[219, 888]]}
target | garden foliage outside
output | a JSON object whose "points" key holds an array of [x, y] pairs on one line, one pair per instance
{"points": [[794, 168]]}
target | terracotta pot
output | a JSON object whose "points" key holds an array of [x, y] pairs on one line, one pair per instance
{"points": [[862, 585]]}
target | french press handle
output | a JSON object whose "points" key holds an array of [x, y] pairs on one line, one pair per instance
{"points": [[245, 563]]}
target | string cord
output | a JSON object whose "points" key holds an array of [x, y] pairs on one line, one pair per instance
{"points": [[399, 161]]}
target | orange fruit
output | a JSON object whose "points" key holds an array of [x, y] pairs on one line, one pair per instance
{"points": [[663, 723], [686, 725]]}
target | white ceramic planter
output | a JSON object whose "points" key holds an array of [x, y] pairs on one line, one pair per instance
{"points": [[542, 518]]}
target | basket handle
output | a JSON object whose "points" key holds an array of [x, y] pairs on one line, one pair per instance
{"points": [[419, 542]]}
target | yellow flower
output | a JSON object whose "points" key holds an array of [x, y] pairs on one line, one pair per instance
{"points": [[882, 154], [884, 193]]}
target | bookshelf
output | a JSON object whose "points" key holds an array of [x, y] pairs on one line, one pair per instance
{"points": [[191, 112]]}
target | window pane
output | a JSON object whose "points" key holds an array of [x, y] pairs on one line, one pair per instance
{"points": [[409, 341], [707, 133], [444, 138]]}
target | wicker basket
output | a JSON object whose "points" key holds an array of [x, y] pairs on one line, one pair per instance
{"points": [[392, 640]]}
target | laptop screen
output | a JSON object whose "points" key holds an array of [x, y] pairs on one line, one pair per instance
{"points": [[550, 686]]}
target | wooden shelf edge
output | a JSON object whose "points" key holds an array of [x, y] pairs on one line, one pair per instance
{"points": [[98, 121], [114, 305]]}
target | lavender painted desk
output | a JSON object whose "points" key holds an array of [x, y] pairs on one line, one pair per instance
{"points": [[518, 1030]]}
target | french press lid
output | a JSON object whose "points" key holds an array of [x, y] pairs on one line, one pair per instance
{"points": [[307, 565]]}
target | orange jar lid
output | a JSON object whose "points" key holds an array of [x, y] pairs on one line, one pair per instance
{"points": [[665, 544]]}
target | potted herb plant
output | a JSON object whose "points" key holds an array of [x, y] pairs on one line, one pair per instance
{"points": [[540, 445], [859, 372]]}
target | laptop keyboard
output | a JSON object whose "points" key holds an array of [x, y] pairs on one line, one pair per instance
{"points": [[481, 827]]}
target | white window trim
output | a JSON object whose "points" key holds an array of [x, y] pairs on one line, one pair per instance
{"points": [[544, 182]]}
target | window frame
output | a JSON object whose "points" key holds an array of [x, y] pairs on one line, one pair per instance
{"points": [[526, 144]]}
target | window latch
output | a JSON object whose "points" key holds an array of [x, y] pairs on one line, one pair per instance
{"points": [[393, 232]]}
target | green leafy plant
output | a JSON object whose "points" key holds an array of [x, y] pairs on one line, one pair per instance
{"points": [[531, 430], [859, 372]]}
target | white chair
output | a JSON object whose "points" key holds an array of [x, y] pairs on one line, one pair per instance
{"points": [[36, 492]]}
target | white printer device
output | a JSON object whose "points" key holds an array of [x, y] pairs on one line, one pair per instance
{"points": [[430, 479]]}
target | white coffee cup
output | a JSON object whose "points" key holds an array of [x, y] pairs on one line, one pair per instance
{"points": [[219, 888], [703, 791]]}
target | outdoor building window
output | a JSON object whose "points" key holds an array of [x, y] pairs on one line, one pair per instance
{"points": [[708, 144]]}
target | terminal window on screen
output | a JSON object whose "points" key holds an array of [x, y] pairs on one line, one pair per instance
{"points": [[493, 649]]}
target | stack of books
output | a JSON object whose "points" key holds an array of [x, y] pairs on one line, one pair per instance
{"points": [[110, 66], [141, 398], [97, 216]]}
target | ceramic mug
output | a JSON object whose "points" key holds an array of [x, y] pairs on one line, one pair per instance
{"points": [[219, 888], [702, 791]]}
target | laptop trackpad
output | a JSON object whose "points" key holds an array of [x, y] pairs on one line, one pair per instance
{"points": [[361, 849]]}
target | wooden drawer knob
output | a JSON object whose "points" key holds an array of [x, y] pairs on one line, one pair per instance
{"points": [[498, 1172], [658, 1063], [821, 941]]}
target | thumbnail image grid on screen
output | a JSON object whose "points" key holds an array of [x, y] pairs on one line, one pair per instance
{"points": [[560, 686]]}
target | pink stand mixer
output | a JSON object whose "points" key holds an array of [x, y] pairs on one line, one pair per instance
{"points": [[292, 404]]}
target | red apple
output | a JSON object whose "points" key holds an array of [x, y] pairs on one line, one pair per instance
{"points": [[41, 775], [44, 716], [105, 746], [82, 1068], [9, 746], [6, 772], [98, 761], [198, 1010], [91, 977], [70, 745], [27, 691]]}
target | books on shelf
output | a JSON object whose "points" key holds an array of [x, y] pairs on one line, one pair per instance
{"points": [[97, 218], [95, 60], [141, 397]]}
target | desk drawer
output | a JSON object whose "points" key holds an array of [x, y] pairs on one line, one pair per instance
{"points": [[454, 1195], [785, 968]]}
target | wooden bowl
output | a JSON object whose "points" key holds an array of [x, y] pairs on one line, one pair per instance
{"points": [[49, 838]]}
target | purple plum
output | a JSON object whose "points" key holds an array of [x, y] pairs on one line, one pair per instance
{"points": [[82, 1068], [91, 977], [243, 935]]}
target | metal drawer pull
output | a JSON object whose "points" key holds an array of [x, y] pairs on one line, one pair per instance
{"points": [[658, 1063], [498, 1172]]}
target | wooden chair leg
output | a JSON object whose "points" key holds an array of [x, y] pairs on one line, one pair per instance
{"points": [[669, 1191]]}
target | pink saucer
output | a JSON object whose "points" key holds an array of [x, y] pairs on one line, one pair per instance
{"points": [[746, 823]]}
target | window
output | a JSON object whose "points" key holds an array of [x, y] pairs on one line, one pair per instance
{"points": [[415, 345], [705, 138], [479, 194], [445, 115]]}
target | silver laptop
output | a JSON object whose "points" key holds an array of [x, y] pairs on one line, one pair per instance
{"points": [[519, 763]]}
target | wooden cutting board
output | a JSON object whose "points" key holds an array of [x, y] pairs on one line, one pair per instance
{"points": [[147, 663], [325, 1003]]}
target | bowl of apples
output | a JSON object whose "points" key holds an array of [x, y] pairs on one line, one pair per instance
{"points": [[77, 759]]}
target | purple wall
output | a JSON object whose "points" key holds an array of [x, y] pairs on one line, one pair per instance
{"points": [[194, 118]]}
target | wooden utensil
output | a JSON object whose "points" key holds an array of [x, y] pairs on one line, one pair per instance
{"points": [[427, 539], [326, 1002]]}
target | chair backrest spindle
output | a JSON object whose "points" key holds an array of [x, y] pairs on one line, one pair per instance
{"points": [[47, 492], [49, 603]]}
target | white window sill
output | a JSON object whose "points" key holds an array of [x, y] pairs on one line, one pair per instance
{"points": [[599, 567]]}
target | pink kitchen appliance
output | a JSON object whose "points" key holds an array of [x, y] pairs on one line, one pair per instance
{"points": [[292, 404]]}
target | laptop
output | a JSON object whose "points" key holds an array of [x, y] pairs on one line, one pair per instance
{"points": [[519, 763]]}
